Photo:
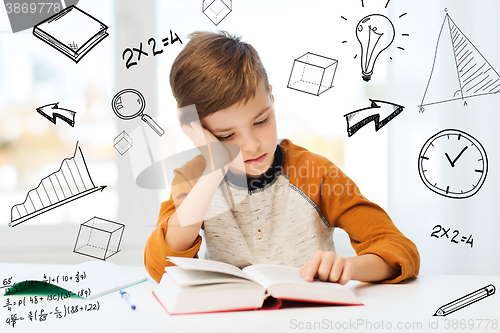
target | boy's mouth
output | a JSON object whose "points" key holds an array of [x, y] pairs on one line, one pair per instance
{"points": [[256, 160]]}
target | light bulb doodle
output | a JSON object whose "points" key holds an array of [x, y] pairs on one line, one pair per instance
{"points": [[375, 33]]}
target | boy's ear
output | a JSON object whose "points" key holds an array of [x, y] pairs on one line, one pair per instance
{"points": [[271, 92]]}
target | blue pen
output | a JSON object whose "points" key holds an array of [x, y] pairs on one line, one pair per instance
{"points": [[128, 299]]}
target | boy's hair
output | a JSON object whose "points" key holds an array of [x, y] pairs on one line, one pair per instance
{"points": [[215, 71]]}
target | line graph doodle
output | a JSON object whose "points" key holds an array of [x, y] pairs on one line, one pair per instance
{"points": [[456, 55], [70, 182]]}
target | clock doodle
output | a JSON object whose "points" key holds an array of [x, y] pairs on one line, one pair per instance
{"points": [[453, 164]]}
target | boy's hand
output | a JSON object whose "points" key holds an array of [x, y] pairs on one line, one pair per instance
{"points": [[215, 153], [327, 266]]}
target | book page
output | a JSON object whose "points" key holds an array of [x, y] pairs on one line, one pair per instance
{"points": [[286, 283], [208, 265], [188, 277], [267, 275]]}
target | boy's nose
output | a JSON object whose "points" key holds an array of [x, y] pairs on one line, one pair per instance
{"points": [[251, 144]]}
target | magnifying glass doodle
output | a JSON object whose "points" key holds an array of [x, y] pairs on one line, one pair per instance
{"points": [[129, 104]]}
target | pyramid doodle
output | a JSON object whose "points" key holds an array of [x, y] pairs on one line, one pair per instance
{"points": [[465, 71], [70, 182]]}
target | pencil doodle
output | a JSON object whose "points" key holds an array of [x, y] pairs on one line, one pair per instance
{"points": [[129, 104], [72, 32], [27, 14], [466, 300], [99, 238], [465, 69], [312, 74], [453, 164], [122, 143], [217, 10], [53, 111], [359, 118], [70, 182]]}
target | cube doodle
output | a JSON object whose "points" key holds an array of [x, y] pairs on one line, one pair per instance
{"points": [[122, 143], [217, 10], [312, 74], [99, 238]]}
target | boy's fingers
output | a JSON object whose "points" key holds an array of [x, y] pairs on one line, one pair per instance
{"points": [[337, 268], [326, 266], [310, 269], [346, 273]]}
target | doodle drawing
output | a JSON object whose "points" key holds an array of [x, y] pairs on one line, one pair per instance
{"points": [[375, 33], [217, 10], [72, 32], [129, 104], [122, 142], [312, 74], [466, 300], [359, 118], [72, 181], [99, 238], [453, 164], [52, 111], [465, 69]]}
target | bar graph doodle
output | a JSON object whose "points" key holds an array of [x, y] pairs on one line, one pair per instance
{"points": [[72, 181], [456, 57]]}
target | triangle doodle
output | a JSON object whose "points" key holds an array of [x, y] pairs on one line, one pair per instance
{"points": [[459, 70]]}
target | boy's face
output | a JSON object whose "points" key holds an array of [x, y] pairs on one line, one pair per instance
{"points": [[252, 127]]}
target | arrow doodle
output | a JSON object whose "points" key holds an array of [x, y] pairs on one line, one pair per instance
{"points": [[372, 113], [52, 111]]}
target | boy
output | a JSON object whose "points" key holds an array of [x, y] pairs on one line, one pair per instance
{"points": [[285, 210]]}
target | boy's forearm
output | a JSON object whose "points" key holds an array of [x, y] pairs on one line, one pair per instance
{"points": [[370, 267], [184, 225]]}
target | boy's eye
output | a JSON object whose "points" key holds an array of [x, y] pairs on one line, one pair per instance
{"points": [[224, 138], [262, 122]]}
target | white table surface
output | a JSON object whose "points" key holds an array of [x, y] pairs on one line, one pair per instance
{"points": [[403, 307]]}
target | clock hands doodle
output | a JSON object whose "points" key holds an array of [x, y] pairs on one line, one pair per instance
{"points": [[459, 177]]}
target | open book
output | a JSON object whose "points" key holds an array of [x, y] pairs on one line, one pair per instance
{"points": [[197, 285]]}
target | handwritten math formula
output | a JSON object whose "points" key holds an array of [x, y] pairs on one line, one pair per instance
{"points": [[15, 287], [454, 236], [128, 53], [38, 308], [42, 314]]}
